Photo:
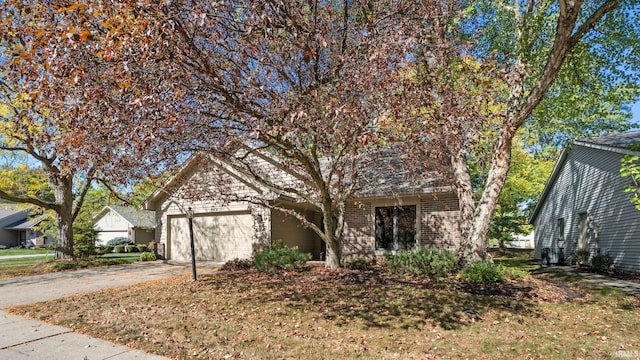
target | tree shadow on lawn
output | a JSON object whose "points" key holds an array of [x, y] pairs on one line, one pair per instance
{"points": [[377, 299]]}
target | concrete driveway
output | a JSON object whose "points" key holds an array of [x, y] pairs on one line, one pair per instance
{"points": [[22, 338]]}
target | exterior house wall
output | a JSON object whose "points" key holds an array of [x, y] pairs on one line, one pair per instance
{"points": [[589, 182], [292, 233], [436, 218], [10, 238], [205, 190], [143, 236], [111, 226]]}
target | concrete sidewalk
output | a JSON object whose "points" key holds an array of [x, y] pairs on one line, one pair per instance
{"points": [[22, 338], [29, 339], [624, 285]]}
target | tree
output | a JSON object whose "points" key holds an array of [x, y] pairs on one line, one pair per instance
{"points": [[283, 79], [525, 182], [629, 168], [543, 54], [54, 108]]}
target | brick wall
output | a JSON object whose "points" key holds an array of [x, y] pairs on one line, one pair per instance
{"points": [[438, 221], [357, 240]]}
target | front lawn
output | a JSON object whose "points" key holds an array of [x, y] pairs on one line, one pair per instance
{"points": [[320, 314], [19, 251], [22, 266], [44, 264]]}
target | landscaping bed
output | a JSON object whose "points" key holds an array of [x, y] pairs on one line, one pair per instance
{"points": [[320, 314]]}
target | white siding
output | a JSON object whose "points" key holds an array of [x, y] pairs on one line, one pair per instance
{"points": [[111, 226], [207, 190], [589, 182]]}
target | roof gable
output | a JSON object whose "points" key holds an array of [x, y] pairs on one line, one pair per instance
{"points": [[621, 143], [141, 219]]}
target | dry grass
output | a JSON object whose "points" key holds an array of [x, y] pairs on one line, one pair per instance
{"points": [[321, 314]]}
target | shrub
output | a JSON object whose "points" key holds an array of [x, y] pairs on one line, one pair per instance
{"points": [[132, 249], [489, 273], [107, 248], [483, 273], [147, 256], [277, 256], [67, 265], [84, 247], [601, 263], [119, 241], [142, 248], [580, 257], [426, 261], [236, 265], [359, 264], [118, 249]]}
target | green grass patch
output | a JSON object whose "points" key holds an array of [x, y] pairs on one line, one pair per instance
{"points": [[7, 252], [21, 266], [43, 264]]}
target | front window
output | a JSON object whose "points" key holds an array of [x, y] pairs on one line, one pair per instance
{"points": [[395, 227], [561, 229]]}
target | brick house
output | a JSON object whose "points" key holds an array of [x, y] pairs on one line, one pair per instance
{"points": [[392, 210]]}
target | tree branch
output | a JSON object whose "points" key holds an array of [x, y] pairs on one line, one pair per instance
{"points": [[28, 200]]}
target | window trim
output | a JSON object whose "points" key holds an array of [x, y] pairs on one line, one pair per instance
{"points": [[414, 201]]}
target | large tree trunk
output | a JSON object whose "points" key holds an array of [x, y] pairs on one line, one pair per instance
{"points": [[464, 189], [64, 244], [477, 250], [334, 252], [63, 192]]}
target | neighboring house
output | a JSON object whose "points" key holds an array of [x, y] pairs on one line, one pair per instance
{"points": [[17, 228], [122, 221], [520, 241], [391, 211], [583, 205]]}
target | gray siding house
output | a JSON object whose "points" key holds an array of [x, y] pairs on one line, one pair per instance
{"points": [[583, 205], [18, 228]]}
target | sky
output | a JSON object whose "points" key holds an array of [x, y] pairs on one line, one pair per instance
{"points": [[635, 109]]}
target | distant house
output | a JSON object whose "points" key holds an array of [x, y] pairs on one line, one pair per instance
{"points": [[122, 221], [519, 241], [391, 211], [17, 228], [583, 206]]}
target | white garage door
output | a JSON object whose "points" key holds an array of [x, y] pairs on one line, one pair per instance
{"points": [[218, 237]]}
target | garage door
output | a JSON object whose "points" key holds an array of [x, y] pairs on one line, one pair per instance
{"points": [[218, 237]]}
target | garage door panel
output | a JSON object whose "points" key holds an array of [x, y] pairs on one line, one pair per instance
{"points": [[217, 237]]}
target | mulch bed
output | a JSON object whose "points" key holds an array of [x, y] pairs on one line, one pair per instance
{"points": [[530, 289]]}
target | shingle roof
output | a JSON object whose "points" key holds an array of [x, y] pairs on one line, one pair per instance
{"points": [[389, 173], [7, 212], [617, 140], [26, 224], [144, 219]]}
